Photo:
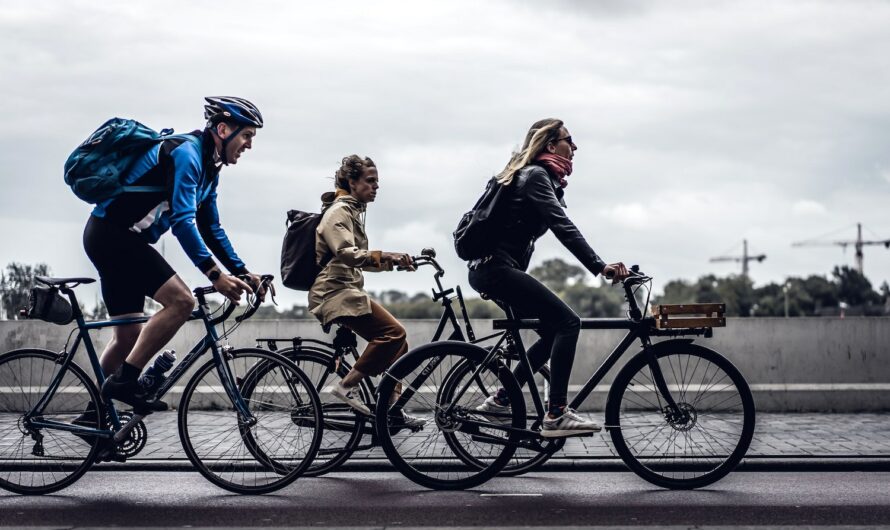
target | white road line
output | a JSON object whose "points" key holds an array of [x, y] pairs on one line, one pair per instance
{"points": [[512, 495]]}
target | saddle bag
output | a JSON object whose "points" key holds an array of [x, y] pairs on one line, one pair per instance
{"points": [[45, 303]]}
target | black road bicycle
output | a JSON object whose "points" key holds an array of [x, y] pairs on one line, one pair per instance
{"points": [[679, 415], [54, 426]]}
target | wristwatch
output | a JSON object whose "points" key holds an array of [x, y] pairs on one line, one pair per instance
{"points": [[214, 275]]}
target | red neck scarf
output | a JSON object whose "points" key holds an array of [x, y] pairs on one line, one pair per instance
{"points": [[558, 166]]}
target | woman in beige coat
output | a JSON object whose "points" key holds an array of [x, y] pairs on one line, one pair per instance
{"points": [[338, 294]]}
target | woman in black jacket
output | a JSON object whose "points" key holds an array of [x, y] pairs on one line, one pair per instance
{"points": [[532, 204]]}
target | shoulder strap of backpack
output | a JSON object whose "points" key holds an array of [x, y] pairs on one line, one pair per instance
{"points": [[163, 135]]}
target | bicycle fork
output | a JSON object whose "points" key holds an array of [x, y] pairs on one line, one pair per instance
{"points": [[673, 413]]}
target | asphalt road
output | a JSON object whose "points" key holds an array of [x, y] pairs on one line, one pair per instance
{"points": [[389, 500]]}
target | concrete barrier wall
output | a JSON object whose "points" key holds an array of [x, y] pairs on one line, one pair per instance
{"points": [[799, 364]]}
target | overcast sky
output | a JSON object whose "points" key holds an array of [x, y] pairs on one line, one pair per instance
{"points": [[699, 124]]}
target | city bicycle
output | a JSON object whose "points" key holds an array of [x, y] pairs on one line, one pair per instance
{"points": [[679, 415], [54, 425], [346, 430]]}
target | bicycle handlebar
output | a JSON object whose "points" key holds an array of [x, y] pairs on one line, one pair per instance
{"points": [[635, 277], [254, 304], [265, 282], [427, 257]]}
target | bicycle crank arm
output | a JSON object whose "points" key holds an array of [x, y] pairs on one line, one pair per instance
{"points": [[122, 434], [531, 445]]}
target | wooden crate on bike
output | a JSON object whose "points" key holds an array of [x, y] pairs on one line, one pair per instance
{"points": [[669, 316]]}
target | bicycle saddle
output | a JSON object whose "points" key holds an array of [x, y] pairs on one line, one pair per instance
{"points": [[46, 280]]}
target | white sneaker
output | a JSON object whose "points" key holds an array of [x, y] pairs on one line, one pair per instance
{"points": [[402, 420], [500, 414], [350, 396], [570, 423]]}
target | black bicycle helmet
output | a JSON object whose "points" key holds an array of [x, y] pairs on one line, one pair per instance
{"points": [[232, 109]]}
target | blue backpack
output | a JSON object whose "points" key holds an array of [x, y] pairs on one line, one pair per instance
{"points": [[96, 169]]}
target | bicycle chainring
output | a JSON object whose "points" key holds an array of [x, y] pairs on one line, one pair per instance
{"points": [[135, 440]]}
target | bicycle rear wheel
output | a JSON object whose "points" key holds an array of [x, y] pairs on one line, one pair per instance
{"points": [[251, 458], [427, 457], [38, 459], [700, 445], [343, 427], [527, 460]]}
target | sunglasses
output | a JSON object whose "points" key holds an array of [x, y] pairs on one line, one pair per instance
{"points": [[567, 138]]}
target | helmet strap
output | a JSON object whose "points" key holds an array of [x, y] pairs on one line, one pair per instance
{"points": [[225, 143]]}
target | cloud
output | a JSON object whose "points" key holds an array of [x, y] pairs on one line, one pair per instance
{"points": [[808, 207], [885, 173], [698, 123]]}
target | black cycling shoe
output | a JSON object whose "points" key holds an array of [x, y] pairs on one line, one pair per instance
{"points": [[108, 452], [88, 418], [131, 393]]}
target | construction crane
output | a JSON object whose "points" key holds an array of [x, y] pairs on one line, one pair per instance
{"points": [[857, 244], [744, 258]]}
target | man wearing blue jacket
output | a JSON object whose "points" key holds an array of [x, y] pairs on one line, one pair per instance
{"points": [[120, 232]]}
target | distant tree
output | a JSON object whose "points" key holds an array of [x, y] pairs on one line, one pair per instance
{"points": [[678, 292], [854, 288], [885, 297], [15, 286], [737, 292], [603, 301], [557, 274], [99, 311]]}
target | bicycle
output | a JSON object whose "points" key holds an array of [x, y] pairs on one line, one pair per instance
{"points": [[325, 362], [679, 415], [49, 438]]}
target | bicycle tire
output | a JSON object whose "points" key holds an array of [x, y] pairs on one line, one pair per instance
{"points": [[337, 416], [65, 456], [719, 419], [523, 460], [209, 421], [428, 464]]}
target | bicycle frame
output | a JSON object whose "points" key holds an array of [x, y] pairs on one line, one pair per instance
{"points": [[209, 341], [638, 328]]}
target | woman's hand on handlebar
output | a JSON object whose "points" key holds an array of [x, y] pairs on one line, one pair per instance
{"points": [[231, 287], [616, 272], [401, 260]]}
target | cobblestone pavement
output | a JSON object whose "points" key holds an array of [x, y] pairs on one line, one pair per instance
{"points": [[789, 435]]}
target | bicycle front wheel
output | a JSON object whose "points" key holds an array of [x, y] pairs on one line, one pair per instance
{"points": [[427, 454], [695, 446], [36, 458], [244, 456], [343, 427]]}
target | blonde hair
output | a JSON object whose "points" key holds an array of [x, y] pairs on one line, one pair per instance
{"points": [[541, 133]]}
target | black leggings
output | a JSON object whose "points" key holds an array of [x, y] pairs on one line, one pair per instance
{"points": [[529, 298]]}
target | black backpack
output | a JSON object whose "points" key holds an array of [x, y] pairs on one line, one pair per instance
{"points": [[476, 229], [298, 266]]}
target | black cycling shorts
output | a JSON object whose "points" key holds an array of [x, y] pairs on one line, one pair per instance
{"points": [[129, 267]]}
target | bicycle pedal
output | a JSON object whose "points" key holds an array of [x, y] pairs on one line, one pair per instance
{"points": [[109, 454]]}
